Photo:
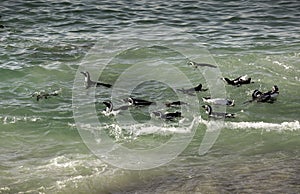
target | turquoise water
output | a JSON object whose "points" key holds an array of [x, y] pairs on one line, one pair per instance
{"points": [[43, 44]]}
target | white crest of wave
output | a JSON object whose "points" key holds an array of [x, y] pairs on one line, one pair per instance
{"points": [[14, 119], [148, 128], [284, 126]]}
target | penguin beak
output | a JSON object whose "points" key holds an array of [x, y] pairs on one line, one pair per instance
{"points": [[83, 73]]}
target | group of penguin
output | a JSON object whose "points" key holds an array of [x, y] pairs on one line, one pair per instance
{"points": [[257, 96]]}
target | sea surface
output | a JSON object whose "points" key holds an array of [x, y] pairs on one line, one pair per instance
{"points": [[45, 45]]}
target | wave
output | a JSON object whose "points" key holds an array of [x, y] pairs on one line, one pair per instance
{"points": [[121, 132], [284, 126]]}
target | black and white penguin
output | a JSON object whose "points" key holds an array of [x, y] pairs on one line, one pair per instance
{"points": [[190, 91], [218, 101], [269, 96], [210, 113], [89, 83], [138, 102], [110, 110], [238, 81], [196, 65], [170, 116], [175, 104], [43, 94]]}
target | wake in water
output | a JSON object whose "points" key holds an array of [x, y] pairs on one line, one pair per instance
{"points": [[121, 132], [284, 126], [15, 119]]}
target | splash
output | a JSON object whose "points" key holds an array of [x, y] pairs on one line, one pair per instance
{"points": [[8, 119], [284, 126]]}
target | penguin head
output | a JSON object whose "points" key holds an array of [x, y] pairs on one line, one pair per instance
{"points": [[85, 73], [157, 113], [256, 94], [129, 100], [178, 114], [199, 87], [207, 108], [109, 105], [230, 103], [275, 88], [191, 63]]}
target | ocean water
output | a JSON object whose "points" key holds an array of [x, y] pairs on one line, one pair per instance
{"points": [[44, 45]]}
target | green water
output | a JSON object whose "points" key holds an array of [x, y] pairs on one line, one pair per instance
{"points": [[44, 44]]}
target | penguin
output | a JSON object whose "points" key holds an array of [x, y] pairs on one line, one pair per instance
{"points": [[138, 102], [218, 101], [175, 104], [238, 81], [268, 97], [196, 65], [1, 26], [42, 94], [89, 83], [190, 91], [170, 116], [210, 113], [110, 110]]}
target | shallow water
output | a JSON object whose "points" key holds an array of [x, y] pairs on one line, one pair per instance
{"points": [[44, 43]]}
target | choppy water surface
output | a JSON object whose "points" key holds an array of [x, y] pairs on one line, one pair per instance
{"points": [[44, 42]]}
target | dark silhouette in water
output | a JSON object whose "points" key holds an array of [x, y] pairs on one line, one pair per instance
{"points": [[191, 91], [111, 110], [89, 83], [196, 65], [175, 103], [138, 102], [210, 113], [269, 97], [1, 26], [45, 95], [238, 81], [167, 116]]}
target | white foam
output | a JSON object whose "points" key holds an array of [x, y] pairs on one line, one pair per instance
{"points": [[135, 130], [284, 126], [72, 164], [144, 129], [74, 180], [282, 65], [6, 189], [15, 119]]}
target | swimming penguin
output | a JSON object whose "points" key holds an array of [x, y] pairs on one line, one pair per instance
{"points": [[138, 102], [175, 104], [218, 101], [269, 96], [1, 26], [170, 116], [210, 113], [196, 65], [42, 94], [89, 83], [190, 91], [110, 110], [238, 81]]}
